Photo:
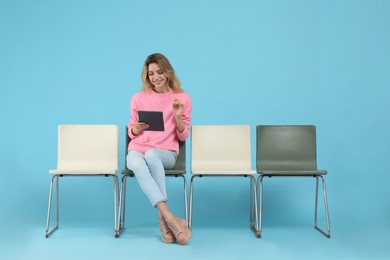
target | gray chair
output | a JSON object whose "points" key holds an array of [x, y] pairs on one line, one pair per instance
{"points": [[85, 150], [223, 151], [178, 171], [289, 151]]}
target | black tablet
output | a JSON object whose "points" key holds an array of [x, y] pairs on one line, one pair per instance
{"points": [[154, 119]]}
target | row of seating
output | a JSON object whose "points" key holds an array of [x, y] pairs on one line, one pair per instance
{"points": [[216, 151]]}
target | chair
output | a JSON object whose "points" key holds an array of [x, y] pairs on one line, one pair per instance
{"points": [[85, 150], [178, 171], [289, 151], [222, 151]]}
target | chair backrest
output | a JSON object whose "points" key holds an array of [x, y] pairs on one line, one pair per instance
{"points": [[181, 158], [280, 148], [180, 166], [220, 148], [87, 147]]}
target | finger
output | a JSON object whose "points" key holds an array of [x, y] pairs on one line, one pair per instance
{"points": [[177, 104]]}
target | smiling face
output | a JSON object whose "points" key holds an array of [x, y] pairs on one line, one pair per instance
{"points": [[158, 69], [158, 78]]}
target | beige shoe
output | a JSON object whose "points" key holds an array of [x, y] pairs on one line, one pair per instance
{"points": [[167, 235], [179, 229]]}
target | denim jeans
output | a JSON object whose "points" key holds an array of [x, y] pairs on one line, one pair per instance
{"points": [[149, 168]]}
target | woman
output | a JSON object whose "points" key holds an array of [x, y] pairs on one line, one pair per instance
{"points": [[150, 152]]}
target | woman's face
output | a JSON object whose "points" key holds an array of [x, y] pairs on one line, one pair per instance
{"points": [[158, 78]]}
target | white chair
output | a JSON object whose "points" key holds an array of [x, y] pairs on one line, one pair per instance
{"points": [[85, 150], [222, 151]]}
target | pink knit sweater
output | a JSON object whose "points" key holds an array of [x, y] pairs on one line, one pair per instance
{"points": [[164, 140]]}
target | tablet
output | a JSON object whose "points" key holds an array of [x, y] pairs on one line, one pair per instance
{"points": [[153, 118]]}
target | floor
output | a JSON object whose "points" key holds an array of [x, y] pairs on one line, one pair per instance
{"points": [[97, 241]]}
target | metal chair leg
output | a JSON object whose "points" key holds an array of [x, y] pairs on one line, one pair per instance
{"points": [[190, 206], [253, 207], [122, 209], [185, 199], [48, 233], [260, 215], [116, 206], [327, 234], [251, 213]]}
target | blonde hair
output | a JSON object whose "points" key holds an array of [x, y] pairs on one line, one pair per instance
{"points": [[165, 66]]}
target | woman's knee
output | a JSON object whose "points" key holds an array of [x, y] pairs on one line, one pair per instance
{"points": [[135, 163]]}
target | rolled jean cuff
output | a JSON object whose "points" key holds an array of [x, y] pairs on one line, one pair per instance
{"points": [[158, 202]]}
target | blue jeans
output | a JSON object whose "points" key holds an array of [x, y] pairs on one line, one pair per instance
{"points": [[149, 170]]}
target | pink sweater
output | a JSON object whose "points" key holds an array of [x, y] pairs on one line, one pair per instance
{"points": [[164, 140]]}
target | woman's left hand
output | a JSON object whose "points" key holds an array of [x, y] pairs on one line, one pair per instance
{"points": [[177, 107], [178, 110]]}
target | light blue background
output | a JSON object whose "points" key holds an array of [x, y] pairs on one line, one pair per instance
{"points": [[243, 62]]}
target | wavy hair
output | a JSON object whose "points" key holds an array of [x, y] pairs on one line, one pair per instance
{"points": [[166, 67]]}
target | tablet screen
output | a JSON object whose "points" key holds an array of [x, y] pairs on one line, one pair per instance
{"points": [[153, 118]]}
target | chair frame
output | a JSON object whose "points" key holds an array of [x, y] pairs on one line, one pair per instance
{"points": [[168, 173], [55, 179], [55, 182], [313, 174], [253, 223], [253, 217]]}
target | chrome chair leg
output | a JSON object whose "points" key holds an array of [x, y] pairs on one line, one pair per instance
{"points": [[251, 213], [116, 205], [185, 199], [48, 233], [190, 206], [122, 205], [253, 207], [260, 216], [327, 234]]}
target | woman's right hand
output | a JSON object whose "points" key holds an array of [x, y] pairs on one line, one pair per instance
{"points": [[139, 127]]}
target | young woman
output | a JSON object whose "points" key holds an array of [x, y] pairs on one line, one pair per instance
{"points": [[150, 152]]}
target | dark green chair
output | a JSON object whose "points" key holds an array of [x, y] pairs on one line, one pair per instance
{"points": [[178, 171], [288, 151]]}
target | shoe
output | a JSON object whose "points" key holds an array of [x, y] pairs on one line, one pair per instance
{"points": [[167, 235], [179, 229]]}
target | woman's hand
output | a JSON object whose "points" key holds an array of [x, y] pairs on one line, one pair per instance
{"points": [[177, 107], [139, 127], [178, 111]]}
